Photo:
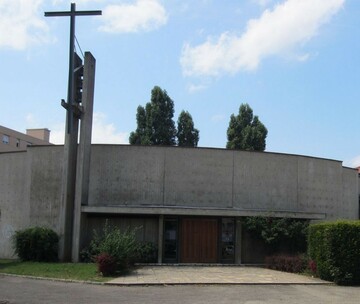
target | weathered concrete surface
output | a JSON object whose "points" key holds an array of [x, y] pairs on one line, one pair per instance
{"points": [[132, 176], [45, 186], [84, 154], [30, 184], [14, 198], [174, 181]]}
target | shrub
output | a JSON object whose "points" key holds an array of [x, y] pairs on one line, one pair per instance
{"points": [[294, 264], [121, 246], [279, 231], [106, 264], [335, 248], [147, 253], [37, 244]]}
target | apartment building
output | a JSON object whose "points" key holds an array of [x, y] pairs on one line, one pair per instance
{"points": [[12, 140]]}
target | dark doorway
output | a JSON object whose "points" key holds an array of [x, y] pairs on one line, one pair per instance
{"points": [[199, 240], [170, 240]]}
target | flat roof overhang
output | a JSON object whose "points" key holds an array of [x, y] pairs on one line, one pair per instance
{"points": [[195, 211]]}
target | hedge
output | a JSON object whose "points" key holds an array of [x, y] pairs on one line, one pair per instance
{"points": [[335, 248]]}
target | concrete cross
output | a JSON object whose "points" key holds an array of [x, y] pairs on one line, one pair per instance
{"points": [[70, 97]]}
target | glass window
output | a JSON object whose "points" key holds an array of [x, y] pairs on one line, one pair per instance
{"points": [[170, 240], [227, 240], [6, 139]]}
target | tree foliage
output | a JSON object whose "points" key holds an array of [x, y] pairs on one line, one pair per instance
{"points": [[246, 131], [155, 124], [187, 135]]}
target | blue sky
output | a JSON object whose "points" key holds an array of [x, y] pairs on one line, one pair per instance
{"points": [[296, 62]]}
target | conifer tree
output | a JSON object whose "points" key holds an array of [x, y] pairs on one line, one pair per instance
{"points": [[246, 131], [187, 135]]}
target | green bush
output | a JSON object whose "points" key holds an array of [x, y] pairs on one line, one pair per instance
{"points": [[121, 246], [36, 244], [277, 232], [148, 253], [335, 248]]}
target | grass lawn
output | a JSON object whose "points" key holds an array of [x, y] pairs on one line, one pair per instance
{"points": [[70, 271]]}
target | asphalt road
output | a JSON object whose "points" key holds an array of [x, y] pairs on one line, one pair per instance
{"points": [[15, 290]]}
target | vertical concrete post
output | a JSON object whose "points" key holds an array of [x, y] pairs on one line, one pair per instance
{"points": [[161, 238], [84, 152], [68, 191], [238, 241]]}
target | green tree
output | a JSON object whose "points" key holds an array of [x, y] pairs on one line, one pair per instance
{"points": [[187, 135], [155, 125], [246, 131], [141, 136]]}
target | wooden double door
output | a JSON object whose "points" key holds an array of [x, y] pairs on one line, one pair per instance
{"points": [[199, 240]]}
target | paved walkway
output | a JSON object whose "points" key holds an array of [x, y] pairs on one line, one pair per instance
{"points": [[183, 275]]}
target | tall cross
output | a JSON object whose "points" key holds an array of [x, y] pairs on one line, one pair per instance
{"points": [[72, 14]]}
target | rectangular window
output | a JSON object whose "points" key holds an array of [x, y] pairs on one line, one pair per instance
{"points": [[17, 143], [5, 139]]}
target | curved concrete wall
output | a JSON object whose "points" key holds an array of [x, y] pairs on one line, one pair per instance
{"points": [[170, 177], [218, 178]]}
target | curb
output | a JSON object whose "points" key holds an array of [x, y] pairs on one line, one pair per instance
{"points": [[216, 284], [51, 279]]}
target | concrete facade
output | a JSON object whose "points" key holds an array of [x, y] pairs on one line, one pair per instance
{"points": [[141, 186]]}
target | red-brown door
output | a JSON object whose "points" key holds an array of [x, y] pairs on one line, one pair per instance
{"points": [[199, 239]]}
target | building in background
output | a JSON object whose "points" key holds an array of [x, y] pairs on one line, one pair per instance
{"points": [[12, 140]]}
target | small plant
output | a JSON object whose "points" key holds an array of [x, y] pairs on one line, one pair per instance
{"points": [[294, 264], [36, 244], [106, 264]]}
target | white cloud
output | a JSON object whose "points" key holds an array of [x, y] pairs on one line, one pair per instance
{"points": [[22, 24], [353, 163], [276, 32], [262, 3], [57, 133], [105, 133], [217, 118], [31, 121], [192, 88], [143, 15], [102, 132], [303, 57]]}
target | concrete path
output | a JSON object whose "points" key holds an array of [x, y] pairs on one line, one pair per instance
{"points": [[212, 275]]}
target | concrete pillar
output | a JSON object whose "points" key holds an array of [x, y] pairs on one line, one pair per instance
{"points": [[238, 240], [161, 239], [68, 192], [66, 217], [84, 152]]}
